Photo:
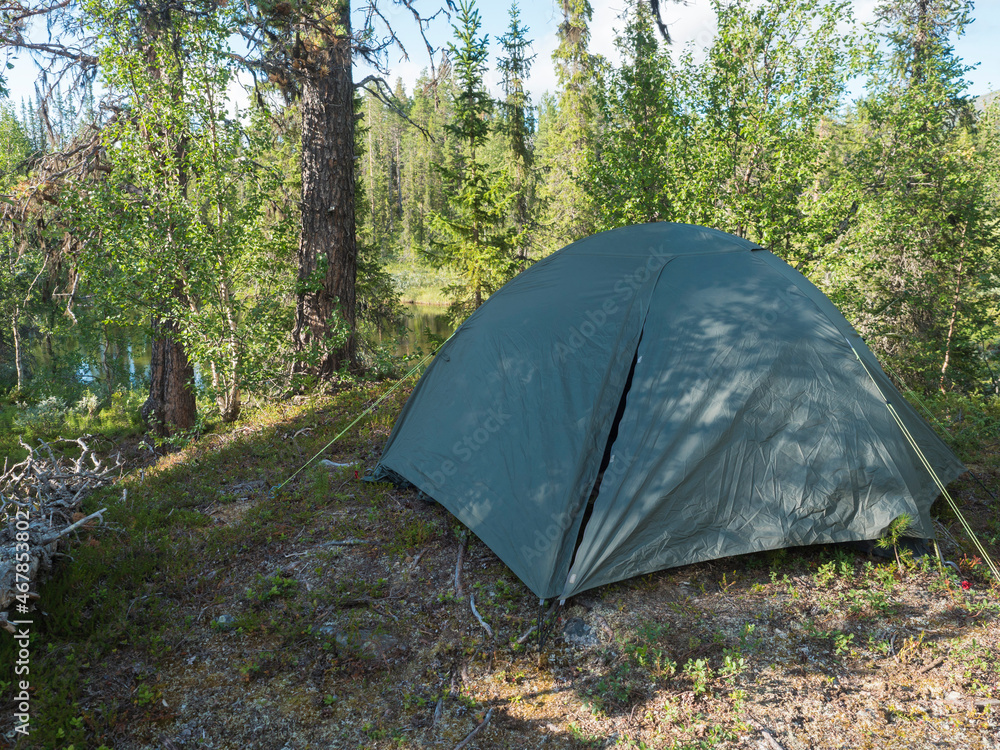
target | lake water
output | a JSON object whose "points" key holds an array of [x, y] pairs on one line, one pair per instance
{"points": [[129, 358], [426, 324]]}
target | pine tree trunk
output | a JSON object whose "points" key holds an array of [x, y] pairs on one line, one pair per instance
{"points": [[327, 240], [171, 404]]}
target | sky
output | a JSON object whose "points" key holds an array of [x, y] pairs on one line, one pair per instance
{"points": [[692, 23]]}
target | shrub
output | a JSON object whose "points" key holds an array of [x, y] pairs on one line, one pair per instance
{"points": [[44, 418]]}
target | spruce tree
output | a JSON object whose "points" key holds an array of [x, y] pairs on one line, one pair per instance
{"points": [[474, 238], [567, 141], [516, 124]]}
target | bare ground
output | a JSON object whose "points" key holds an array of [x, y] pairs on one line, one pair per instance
{"points": [[366, 644]]}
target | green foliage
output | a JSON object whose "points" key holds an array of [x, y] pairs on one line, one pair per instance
{"points": [[184, 222], [630, 176], [699, 672], [265, 589], [42, 419], [20, 263], [566, 137], [476, 241], [914, 269], [749, 140]]}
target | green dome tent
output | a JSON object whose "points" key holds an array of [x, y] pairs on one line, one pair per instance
{"points": [[724, 402]]}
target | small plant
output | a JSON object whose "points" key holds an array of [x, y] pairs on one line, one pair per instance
{"points": [[144, 695], [739, 698], [842, 643], [87, 405], [44, 418], [747, 641], [265, 589], [826, 573], [732, 665], [892, 536], [416, 533], [587, 740], [700, 673]]}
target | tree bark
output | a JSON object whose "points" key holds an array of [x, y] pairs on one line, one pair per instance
{"points": [[956, 300], [171, 404], [18, 359], [327, 255]]}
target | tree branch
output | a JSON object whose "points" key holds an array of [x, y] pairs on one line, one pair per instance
{"points": [[389, 99]]}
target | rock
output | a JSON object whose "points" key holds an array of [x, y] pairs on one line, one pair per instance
{"points": [[952, 696], [326, 630], [579, 634], [328, 464], [381, 644], [224, 622]]}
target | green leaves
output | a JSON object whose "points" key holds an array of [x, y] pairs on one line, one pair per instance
{"points": [[917, 263], [182, 225], [475, 238]]}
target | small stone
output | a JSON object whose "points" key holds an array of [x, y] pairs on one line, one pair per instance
{"points": [[579, 634], [224, 622], [952, 696], [326, 630]]}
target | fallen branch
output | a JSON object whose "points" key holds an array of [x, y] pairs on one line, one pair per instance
{"points": [[96, 514], [933, 665], [344, 543], [775, 745], [40, 499], [459, 593], [527, 633], [474, 732], [472, 603]]}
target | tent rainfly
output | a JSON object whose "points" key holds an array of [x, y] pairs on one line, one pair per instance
{"points": [[658, 395]]}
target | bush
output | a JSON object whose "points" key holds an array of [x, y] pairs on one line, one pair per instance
{"points": [[970, 424], [87, 405], [44, 418]]}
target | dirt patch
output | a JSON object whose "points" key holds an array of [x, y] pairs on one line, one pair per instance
{"points": [[348, 635]]}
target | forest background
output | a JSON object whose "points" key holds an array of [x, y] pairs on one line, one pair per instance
{"points": [[261, 243]]}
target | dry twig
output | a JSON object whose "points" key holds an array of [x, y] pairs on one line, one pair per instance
{"points": [[474, 732], [39, 498], [463, 543], [775, 745], [472, 603]]}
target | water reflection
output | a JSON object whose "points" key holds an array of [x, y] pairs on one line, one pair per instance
{"points": [[123, 357], [427, 326]]}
